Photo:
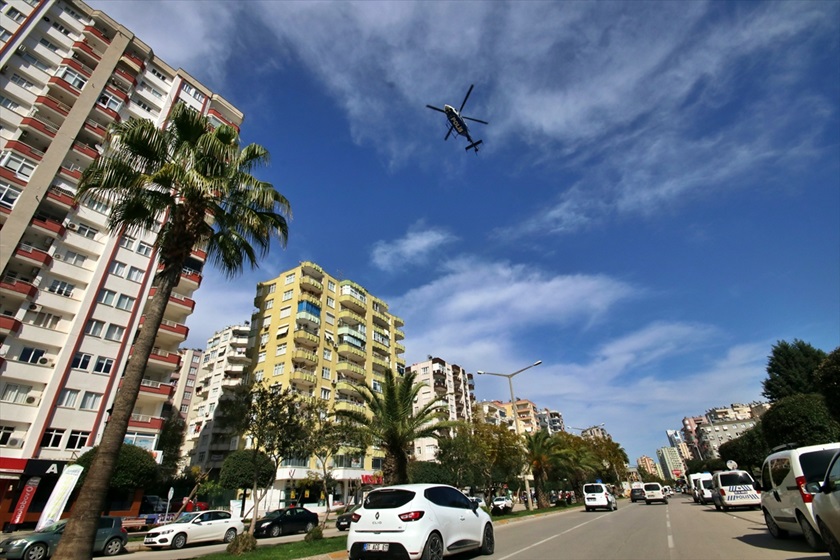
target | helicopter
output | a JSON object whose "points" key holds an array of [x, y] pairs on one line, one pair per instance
{"points": [[457, 121]]}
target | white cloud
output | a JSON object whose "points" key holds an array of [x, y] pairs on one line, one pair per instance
{"points": [[415, 247]]}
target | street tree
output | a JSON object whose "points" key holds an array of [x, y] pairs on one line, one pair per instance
{"points": [[461, 456], [542, 452], [245, 468], [791, 367], [135, 469], [169, 443], [391, 422], [503, 455], [193, 184], [802, 419], [576, 461], [828, 382]]}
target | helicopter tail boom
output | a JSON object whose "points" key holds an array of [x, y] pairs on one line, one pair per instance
{"points": [[474, 146]]}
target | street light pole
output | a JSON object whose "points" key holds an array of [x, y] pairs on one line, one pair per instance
{"points": [[510, 377]]}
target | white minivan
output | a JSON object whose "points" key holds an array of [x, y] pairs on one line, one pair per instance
{"points": [[597, 495], [701, 487], [733, 489]]}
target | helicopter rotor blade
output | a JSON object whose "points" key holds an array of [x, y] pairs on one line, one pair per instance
{"points": [[448, 133], [474, 120], [436, 109], [469, 91]]}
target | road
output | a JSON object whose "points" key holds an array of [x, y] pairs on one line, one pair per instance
{"points": [[680, 530]]}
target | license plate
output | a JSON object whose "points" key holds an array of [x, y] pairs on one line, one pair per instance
{"points": [[590, 499], [376, 547]]}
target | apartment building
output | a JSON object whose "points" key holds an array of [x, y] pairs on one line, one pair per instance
{"points": [[704, 434], [452, 387], [595, 432], [647, 464], [71, 294], [224, 365], [711, 436], [491, 413], [319, 335], [526, 412], [551, 421], [671, 462]]}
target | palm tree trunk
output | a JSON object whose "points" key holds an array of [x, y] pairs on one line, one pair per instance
{"points": [[77, 541]]}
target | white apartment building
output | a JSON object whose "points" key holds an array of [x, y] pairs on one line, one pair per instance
{"points": [[71, 294], [671, 462], [491, 413], [551, 421], [448, 384]]}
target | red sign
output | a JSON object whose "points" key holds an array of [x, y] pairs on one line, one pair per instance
{"points": [[25, 499], [677, 472], [371, 479]]}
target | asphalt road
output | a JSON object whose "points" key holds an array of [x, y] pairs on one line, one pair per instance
{"points": [[680, 530]]}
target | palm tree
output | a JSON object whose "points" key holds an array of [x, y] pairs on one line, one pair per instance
{"points": [[194, 183], [392, 424], [542, 451]]}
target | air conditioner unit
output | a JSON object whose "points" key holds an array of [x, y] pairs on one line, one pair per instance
{"points": [[44, 361], [72, 225], [58, 257], [75, 55], [34, 307], [21, 49], [14, 442], [33, 397]]}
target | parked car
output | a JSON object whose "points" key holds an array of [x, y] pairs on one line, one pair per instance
{"points": [[597, 495], [285, 522], [418, 520], [342, 522], [654, 493], [110, 540], [637, 495], [196, 526], [701, 487], [735, 489], [479, 500], [501, 504], [785, 499], [826, 506]]}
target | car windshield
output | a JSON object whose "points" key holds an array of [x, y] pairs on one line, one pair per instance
{"points": [[735, 479], [187, 517], [275, 513], [388, 499], [593, 489], [52, 527], [708, 484], [815, 463]]}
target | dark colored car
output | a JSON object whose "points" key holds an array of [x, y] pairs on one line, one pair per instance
{"points": [[110, 540], [286, 521], [342, 522], [637, 495]]}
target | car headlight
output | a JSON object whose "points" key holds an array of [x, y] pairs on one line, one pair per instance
{"points": [[16, 542], [165, 532], [265, 523]]}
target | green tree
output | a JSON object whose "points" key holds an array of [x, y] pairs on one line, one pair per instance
{"points": [[241, 468], [503, 457], [428, 472], [171, 438], [461, 456], [748, 450], [790, 369], [542, 452], [828, 382], [801, 419], [194, 183], [391, 422], [576, 461], [135, 468]]}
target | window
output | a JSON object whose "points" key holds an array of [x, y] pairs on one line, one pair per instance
{"points": [[263, 339], [98, 206], [281, 349], [326, 373], [9, 104], [31, 355], [15, 15], [185, 408], [87, 231], [187, 395], [52, 438], [74, 258], [114, 332], [135, 274], [266, 322], [61, 288], [127, 242], [90, 401], [106, 297], [269, 304], [5, 35], [290, 278], [327, 354], [157, 73], [125, 302], [260, 357], [258, 375], [287, 295], [330, 302], [144, 249], [103, 365], [72, 77], [325, 394], [6, 434], [61, 29], [377, 386], [21, 166], [22, 82], [36, 62], [14, 393], [46, 320], [67, 398], [285, 312], [141, 104], [271, 289], [329, 318], [94, 327], [81, 361], [118, 269], [8, 195], [331, 285], [109, 101], [77, 439], [50, 46], [278, 369]]}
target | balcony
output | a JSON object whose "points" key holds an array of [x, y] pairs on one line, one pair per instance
{"points": [[31, 124], [305, 338], [9, 325], [164, 358], [155, 389], [190, 279], [51, 228], [351, 371], [24, 149], [307, 319], [380, 365], [170, 330], [105, 113], [306, 357], [346, 386], [304, 378], [96, 129], [311, 285], [351, 406], [347, 316], [145, 422], [92, 33], [311, 269], [52, 105], [82, 49], [353, 303], [133, 61], [88, 153], [16, 289], [199, 255], [124, 77], [62, 88], [177, 301], [399, 348], [72, 173], [33, 256], [350, 352], [398, 334], [398, 322]]}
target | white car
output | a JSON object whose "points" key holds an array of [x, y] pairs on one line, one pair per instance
{"points": [[502, 503], [193, 527], [785, 499], [596, 495], [654, 493], [734, 488], [418, 520], [826, 506]]}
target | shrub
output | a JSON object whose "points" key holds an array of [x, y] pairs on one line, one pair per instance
{"points": [[801, 419], [243, 543], [315, 534]]}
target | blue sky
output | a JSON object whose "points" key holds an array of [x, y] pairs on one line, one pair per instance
{"points": [[656, 203]]}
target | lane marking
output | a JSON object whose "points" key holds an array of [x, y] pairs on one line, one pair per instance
{"points": [[551, 538]]}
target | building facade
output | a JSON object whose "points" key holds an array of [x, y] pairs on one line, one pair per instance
{"points": [[320, 335], [72, 295], [525, 411], [671, 462], [551, 421], [452, 387], [647, 464]]}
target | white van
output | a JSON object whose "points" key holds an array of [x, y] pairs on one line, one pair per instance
{"points": [[735, 488], [701, 487]]}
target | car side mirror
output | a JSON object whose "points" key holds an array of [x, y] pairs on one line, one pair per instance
{"points": [[814, 487], [197, 521], [757, 485], [474, 505]]}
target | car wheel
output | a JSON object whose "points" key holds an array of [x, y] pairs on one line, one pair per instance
{"points": [[37, 551], [830, 540], [113, 547], [811, 536], [434, 548], [724, 507], [776, 531], [179, 541], [274, 531], [488, 544], [717, 506], [647, 502], [230, 534], [587, 508], [309, 527]]}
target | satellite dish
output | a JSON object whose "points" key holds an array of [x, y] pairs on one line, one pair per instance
{"points": [[731, 465]]}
